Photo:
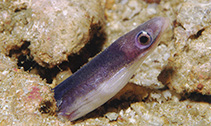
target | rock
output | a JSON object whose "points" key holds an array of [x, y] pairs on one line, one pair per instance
{"points": [[189, 69], [53, 29], [112, 116]]}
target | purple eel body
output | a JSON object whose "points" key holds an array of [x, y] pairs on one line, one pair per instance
{"points": [[106, 74]]}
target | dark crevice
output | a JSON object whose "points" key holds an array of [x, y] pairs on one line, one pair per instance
{"points": [[22, 53], [20, 8], [178, 24], [165, 76], [93, 47], [26, 62], [75, 61], [17, 51], [196, 97], [46, 73], [90, 50], [197, 35], [46, 107]]}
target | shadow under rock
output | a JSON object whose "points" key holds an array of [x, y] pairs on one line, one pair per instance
{"points": [[75, 61], [197, 97]]}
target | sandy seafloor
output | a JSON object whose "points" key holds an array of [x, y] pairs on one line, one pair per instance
{"points": [[43, 42]]}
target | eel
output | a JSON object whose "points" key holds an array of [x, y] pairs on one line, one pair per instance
{"points": [[107, 73]]}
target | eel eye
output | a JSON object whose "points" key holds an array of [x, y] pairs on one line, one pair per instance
{"points": [[144, 38]]}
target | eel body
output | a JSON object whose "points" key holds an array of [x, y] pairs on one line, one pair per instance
{"points": [[106, 74]]}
